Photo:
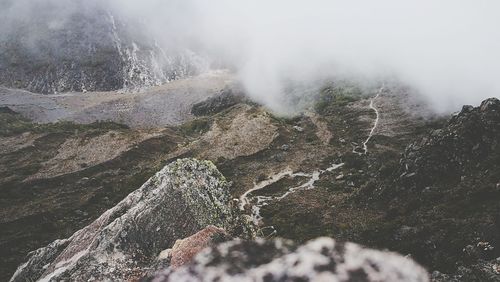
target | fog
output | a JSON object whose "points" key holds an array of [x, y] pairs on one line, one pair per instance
{"points": [[447, 50]]}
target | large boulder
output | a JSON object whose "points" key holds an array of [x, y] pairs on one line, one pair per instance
{"points": [[124, 243], [322, 259]]}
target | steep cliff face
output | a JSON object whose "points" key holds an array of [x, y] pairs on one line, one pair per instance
{"points": [[322, 259], [87, 48], [124, 243]]}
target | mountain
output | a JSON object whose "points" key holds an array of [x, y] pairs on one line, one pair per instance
{"points": [[423, 186], [185, 196], [180, 141], [83, 47], [124, 242], [446, 194]]}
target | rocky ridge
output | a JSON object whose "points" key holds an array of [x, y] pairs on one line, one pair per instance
{"points": [[469, 142], [136, 238], [444, 197], [436, 200], [123, 243]]}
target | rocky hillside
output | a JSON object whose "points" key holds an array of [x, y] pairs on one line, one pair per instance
{"points": [[58, 178], [154, 107], [422, 186], [124, 242], [130, 241], [133, 147], [445, 196], [84, 47]]}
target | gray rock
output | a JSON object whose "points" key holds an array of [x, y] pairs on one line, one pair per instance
{"points": [[285, 147], [123, 244], [218, 103], [322, 259], [90, 49]]}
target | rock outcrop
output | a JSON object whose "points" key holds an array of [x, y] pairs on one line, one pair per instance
{"points": [[124, 243], [83, 46], [218, 103], [322, 259], [467, 144], [445, 197]]}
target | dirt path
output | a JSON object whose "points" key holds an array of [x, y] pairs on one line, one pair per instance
{"points": [[375, 123], [261, 201]]}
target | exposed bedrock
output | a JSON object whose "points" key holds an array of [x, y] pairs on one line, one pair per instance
{"points": [[85, 47], [125, 242], [443, 202]]}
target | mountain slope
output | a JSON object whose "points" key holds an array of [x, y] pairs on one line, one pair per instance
{"points": [[83, 46]]}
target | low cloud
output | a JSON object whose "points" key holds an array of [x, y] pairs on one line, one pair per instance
{"points": [[446, 50]]}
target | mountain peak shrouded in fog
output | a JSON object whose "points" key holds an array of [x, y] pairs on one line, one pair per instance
{"points": [[236, 140], [447, 51], [60, 46]]}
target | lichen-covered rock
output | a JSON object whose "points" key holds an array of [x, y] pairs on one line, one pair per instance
{"points": [[123, 244], [184, 250], [322, 259]]}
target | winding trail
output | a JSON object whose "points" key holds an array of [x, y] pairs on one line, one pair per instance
{"points": [[375, 124], [264, 200], [260, 201]]}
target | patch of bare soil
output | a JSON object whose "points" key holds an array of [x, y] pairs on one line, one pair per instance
{"points": [[9, 144], [246, 133]]}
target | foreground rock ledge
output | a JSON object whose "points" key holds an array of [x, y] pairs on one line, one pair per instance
{"points": [[123, 244], [322, 259]]}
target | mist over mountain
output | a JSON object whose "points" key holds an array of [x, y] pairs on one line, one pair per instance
{"points": [[61, 46], [232, 140], [446, 50]]}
